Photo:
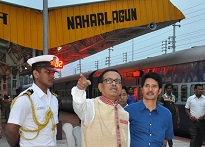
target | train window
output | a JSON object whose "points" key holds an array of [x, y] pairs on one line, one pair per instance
{"points": [[14, 84], [175, 92], [192, 90], [184, 93], [4, 86]]}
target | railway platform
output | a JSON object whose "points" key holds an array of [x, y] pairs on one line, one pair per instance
{"points": [[67, 117]]}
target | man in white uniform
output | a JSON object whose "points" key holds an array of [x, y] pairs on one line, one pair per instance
{"points": [[34, 113]]}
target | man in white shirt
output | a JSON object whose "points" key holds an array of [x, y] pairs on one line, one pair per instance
{"points": [[34, 113], [195, 109], [104, 122]]}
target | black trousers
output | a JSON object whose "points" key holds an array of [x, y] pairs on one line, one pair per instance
{"points": [[196, 131], [174, 122], [170, 143]]}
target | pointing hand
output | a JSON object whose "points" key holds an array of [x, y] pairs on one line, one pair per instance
{"points": [[83, 83]]}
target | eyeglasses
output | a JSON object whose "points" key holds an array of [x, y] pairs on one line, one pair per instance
{"points": [[110, 81]]}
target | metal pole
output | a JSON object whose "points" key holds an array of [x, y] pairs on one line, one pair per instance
{"points": [[33, 53], [174, 37], [11, 96], [80, 65], [109, 60], [45, 27]]}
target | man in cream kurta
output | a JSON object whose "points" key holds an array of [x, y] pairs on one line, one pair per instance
{"points": [[104, 122]]}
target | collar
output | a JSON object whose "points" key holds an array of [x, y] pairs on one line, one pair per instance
{"points": [[39, 92], [198, 97], [108, 101], [167, 96], [142, 107]]}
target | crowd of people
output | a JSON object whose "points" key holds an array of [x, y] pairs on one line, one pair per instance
{"points": [[114, 118]]}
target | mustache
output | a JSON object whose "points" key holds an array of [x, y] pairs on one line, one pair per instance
{"points": [[113, 87], [150, 92]]}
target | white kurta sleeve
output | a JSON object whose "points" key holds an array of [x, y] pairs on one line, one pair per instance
{"points": [[83, 107]]}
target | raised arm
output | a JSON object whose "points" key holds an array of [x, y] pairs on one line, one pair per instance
{"points": [[83, 83], [82, 107]]}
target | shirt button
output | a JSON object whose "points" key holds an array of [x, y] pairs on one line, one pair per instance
{"points": [[150, 134], [150, 124], [150, 114], [149, 143]]}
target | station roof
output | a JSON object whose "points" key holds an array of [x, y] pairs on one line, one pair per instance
{"points": [[80, 30]]}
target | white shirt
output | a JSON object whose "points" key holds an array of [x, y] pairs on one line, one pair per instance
{"points": [[21, 114], [196, 105], [84, 108]]}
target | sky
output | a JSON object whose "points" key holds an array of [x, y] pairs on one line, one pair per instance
{"points": [[38, 4], [190, 33]]}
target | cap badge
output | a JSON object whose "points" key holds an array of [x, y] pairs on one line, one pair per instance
{"points": [[54, 61]]}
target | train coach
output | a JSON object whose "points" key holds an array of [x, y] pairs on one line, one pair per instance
{"points": [[183, 69]]}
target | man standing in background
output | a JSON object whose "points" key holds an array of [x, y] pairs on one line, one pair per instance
{"points": [[123, 97], [195, 109], [131, 98], [168, 100]]}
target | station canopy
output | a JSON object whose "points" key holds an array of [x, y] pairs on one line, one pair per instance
{"points": [[79, 30]]}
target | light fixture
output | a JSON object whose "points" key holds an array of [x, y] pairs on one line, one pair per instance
{"points": [[59, 48]]}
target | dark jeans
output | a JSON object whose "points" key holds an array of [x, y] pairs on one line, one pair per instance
{"points": [[196, 131], [170, 143], [174, 122]]}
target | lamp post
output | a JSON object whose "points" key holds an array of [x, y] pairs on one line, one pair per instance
{"points": [[45, 27]]}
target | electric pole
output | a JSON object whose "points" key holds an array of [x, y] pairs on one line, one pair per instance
{"points": [[164, 46], [79, 66], [75, 71], [107, 60], [96, 65], [172, 39], [125, 57]]}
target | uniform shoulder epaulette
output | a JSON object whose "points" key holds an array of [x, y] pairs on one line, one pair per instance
{"points": [[29, 92], [55, 94]]}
